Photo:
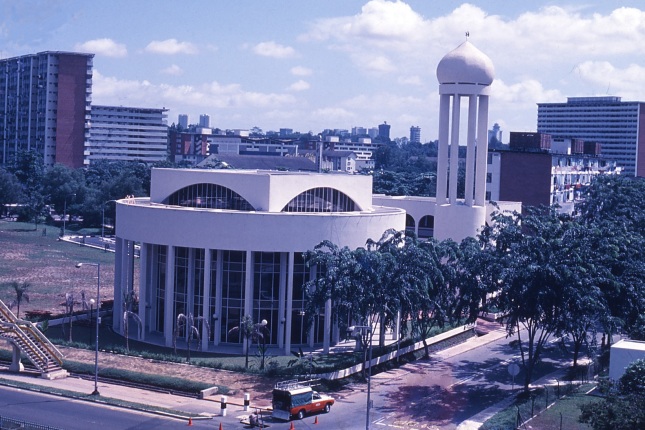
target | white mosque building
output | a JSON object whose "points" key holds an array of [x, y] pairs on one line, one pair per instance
{"points": [[223, 243]]}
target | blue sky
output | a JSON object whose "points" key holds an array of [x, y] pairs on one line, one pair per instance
{"points": [[314, 64]]}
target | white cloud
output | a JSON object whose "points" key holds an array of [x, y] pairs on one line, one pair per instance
{"points": [[332, 114], [301, 71], [522, 94], [116, 91], [170, 47], [410, 80], [106, 47], [533, 41], [174, 70], [299, 86], [275, 50], [607, 79], [380, 64]]}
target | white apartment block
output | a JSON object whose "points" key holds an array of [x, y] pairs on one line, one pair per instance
{"points": [[616, 125], [127, 134]]}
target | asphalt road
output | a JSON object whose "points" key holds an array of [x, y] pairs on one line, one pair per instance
{"points": [[432, 394]]}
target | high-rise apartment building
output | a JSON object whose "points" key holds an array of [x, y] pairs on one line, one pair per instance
{"points": [[127, 134], [182, 120], [618, 126], [415, 134], [384, 130], [205, 121], [45, 106]]}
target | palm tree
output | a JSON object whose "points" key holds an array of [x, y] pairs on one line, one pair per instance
{"points": [[21, 294], [252, 333], [69, 311], [129, 298], [191, 323]]}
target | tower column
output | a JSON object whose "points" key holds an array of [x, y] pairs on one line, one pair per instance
{"points": [[454, 149], [482, 152], [470, 149], [442, 151]]}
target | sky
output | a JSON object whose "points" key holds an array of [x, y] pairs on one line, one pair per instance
{"points": [[316, 64]]}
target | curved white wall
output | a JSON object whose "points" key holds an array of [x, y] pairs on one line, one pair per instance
{"points": [[257, 231]]}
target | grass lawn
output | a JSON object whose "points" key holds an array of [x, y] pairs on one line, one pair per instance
{"points": [[568, 408], [48, 265]]}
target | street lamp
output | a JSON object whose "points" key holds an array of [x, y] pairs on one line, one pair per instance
{"points": [[103, 223], [98, 301], [368, 329], [65, 211], [92, 301]]}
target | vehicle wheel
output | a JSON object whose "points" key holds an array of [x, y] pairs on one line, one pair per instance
{"points": [[327, 408], [301, 414]]}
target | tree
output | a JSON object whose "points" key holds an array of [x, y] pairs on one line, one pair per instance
{"points": [[10, 189], [129, 299], [29, 169], [191, 324], [69, 311], [251, 332], [59, 182], [528, 249], [20, 289], [624, 404]]}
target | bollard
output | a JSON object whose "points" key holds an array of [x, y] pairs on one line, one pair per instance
{"points": [[247, 401], [223, 406]]}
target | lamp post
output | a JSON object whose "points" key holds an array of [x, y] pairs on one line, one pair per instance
{"points": [[65, 211], [98, 301], [103, 222], [92, 301], [368, 329]]}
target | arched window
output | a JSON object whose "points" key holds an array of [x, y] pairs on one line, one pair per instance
{"points": [[321, 200], [409, 223], [209, 196], [426, 227]]}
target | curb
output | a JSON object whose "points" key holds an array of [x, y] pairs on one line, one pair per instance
{"points": [[6, 383]]}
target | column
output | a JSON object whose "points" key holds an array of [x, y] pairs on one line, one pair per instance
{"points": [[169, 316], [248, 291], [326, 337], [152, 302], [470, 149], [218, 298], [312, 275], [281, 298], [118, 278], [207, 298], [289, 313], [143, 287], [190, 287], [482, 152], [442, 156], [454, 149]]}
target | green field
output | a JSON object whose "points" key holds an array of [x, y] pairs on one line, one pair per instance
{"points": [[48, 265]]}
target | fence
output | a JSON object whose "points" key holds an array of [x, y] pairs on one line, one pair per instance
{"points": [[540, 401], [11, 424]]}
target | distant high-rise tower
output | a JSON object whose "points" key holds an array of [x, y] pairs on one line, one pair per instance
{"points": [[384, 130], [415, 134], [183, 121], [495, 133], [205, 121], [467, 73], [45, 106]]}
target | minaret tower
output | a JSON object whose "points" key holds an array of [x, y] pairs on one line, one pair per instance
{"points": [[464, 73]]}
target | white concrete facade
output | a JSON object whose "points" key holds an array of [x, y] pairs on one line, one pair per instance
{"points": [[222, 244], [464, 73], [120, 133]]}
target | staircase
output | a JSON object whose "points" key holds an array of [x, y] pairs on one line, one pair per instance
{"points": [[26, 338]]}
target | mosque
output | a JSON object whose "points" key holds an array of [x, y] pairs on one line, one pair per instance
{"points": [[226, 243]]}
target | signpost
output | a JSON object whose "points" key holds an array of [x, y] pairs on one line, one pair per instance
{"points": [[513, 369]]}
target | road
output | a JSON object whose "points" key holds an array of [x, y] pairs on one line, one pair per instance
{"points": [[440, 393], [434, 394]]}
